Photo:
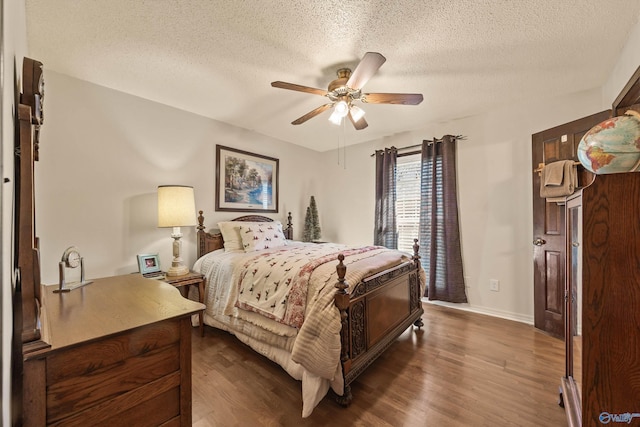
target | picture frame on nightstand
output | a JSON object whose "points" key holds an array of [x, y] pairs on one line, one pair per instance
{"points": [[149, 265]]}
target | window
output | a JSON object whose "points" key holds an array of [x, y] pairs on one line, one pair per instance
{"points": [[408, 189], [408, 200]]}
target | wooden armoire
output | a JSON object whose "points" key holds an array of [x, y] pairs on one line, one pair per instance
{"points": [[602, 295]]}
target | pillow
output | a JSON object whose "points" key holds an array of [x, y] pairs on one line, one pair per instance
{"points": [[261, 235], [230, 231]]}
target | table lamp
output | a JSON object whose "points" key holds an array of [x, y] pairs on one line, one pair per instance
{"points": [[176, 208]]}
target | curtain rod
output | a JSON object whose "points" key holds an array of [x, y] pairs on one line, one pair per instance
{"points": [[431, 141]]}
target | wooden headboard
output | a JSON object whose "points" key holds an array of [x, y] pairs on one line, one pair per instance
{"points": [[209, 242]]}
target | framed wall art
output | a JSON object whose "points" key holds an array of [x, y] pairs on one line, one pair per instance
{"points": [[245, 182]]}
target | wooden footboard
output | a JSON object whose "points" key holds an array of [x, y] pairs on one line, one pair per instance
{"points": [[374, 314]]}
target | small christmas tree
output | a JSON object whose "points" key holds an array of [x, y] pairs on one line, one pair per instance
{"points": [[311, 223], [307, 234], [315, 235]]}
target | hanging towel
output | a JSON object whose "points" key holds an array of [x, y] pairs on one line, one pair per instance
{"points": [[553, 173], [558, 179]]}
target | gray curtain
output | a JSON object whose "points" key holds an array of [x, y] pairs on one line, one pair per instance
{"points": [[385, 233], [440, 249]]}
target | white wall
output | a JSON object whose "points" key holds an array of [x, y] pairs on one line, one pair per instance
{"points": [[495, 195], [14, 47], [102, 155], [623, 69]]}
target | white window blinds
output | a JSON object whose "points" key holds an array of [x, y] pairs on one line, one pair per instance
{"points": [[408, 201]]}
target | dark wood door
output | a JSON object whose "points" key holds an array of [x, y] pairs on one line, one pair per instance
{"points": [[558, 143]]}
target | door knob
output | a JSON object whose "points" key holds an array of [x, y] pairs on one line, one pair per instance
{"points": [[539, 241]]}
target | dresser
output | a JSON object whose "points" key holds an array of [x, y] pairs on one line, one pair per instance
{"points": [[602, 303], [118, 352]]}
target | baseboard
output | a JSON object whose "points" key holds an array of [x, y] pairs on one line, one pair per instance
{"points": [[484, 310]]}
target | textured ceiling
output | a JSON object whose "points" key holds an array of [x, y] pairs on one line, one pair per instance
{"points": [[218, 58]]}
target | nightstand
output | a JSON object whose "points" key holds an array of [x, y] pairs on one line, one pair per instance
{"points": [[183, 283]]}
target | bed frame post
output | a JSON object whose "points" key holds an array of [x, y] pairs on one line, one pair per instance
{"points": [[416, 259], [288, 232], [200, 226], [416, 252], [342, 302], [200, 249]]}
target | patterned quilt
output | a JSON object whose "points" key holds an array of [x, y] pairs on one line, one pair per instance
{"points": [[275, 284]]}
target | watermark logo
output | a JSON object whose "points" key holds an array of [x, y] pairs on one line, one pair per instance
{"points": [[627, 418]]}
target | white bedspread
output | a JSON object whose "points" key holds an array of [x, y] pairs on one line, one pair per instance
{"points": [[310, 353]]}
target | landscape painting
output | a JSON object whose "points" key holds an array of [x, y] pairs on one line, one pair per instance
{"points": [[245, 182]]}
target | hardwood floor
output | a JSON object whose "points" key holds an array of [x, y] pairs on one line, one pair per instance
{"points": [[461, 369]]}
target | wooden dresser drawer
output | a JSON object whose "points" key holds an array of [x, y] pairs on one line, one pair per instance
{"points": [[133, 366]]}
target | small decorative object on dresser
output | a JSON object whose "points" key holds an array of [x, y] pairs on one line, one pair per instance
{"points": [[149, 266], [71, 258]]}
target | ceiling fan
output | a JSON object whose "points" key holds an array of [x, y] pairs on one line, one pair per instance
{"points": [[344, 91]]}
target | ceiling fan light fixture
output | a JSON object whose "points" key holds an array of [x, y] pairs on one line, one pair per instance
{"points": [[346, 89], [335, 117], [356, 113]]}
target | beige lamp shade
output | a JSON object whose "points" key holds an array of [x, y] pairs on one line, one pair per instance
{"points": [[176, 206]]}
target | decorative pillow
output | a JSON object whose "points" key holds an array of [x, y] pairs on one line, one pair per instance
{"points": [[230, 231], [262, 235]]}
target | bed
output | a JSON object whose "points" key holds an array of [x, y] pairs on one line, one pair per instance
{"points": [[356, 301]]}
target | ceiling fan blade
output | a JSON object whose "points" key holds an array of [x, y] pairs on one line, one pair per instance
{"points": [[368, 66], [360, 124], [311, 114], [392, 98], [299, 88]]}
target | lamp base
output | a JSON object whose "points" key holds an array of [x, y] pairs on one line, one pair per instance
{"points": [[180, 270], [177, 267]]}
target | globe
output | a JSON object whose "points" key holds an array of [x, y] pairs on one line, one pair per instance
{"points": [[612, 146]]}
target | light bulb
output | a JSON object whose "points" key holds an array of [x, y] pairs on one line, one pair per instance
{"points": [[335, 118], [356, 113], [341, 108]]}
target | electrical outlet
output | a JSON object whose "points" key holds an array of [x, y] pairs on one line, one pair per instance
{"points": [[494, 285]]}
